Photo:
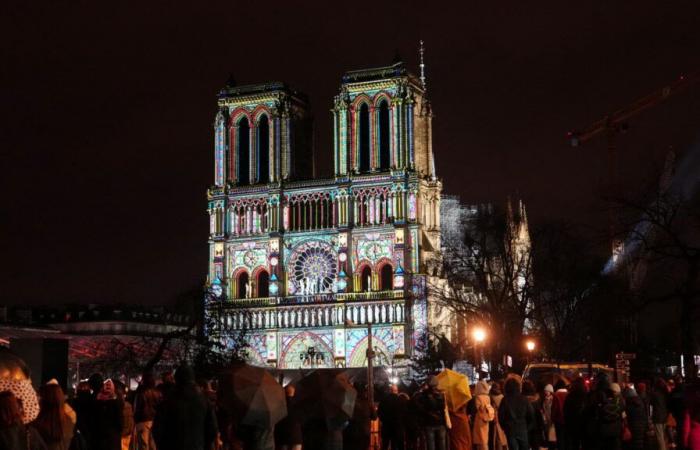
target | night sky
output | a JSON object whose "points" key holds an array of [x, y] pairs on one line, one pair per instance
{"points": [[106, 112]]}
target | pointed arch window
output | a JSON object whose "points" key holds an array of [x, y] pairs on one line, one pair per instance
{"points": [[364, 139], [243, 151], [386, 277], [384, 136], [263, 150]]}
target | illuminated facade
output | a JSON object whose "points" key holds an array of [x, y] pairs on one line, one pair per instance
{"points": [[304, 264]]}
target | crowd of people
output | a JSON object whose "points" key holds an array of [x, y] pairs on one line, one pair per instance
{"points": [[180, 412]]}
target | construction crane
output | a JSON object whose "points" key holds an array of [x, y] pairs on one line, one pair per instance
{"points": [[615, 123]]}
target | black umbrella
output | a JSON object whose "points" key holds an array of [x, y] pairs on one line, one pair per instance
{"points": [[253, 396], [326, 393]]}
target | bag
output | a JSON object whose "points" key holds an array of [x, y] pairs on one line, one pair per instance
{"points": [[487, 413], [626, 432]]}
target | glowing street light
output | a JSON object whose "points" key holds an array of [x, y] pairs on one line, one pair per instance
{"points": [[530, 346], [479, 335]]}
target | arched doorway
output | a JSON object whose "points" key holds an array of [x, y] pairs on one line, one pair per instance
{"points": [[366, 279], [386, 277], [263, 283], [242, 283]]}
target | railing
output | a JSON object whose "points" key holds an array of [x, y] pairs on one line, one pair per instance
{"points": [[317, 298], [312, 315]]}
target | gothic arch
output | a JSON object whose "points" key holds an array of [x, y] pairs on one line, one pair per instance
{"points": [[385, 273], [239, 275], [262, 148], [358, 355], [290, 358], [383, 134]]}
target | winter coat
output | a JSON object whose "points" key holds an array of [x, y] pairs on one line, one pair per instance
{"points": [[558, 406], [516, 416], [691, 433], [460, 435], [184, 420], [358, 432], [109, 422], [67, 427], [659, 407], [637, 420], [432, 406], [21, 437], [535, 436], [498, 438], [482, 418], [288, 430]]}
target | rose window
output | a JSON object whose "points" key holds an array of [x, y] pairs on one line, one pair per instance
{"points": [[314, 268]]}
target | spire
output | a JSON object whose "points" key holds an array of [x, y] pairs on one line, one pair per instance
{"points": [[421, 51]]}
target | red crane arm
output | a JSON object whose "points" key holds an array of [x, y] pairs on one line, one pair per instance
{"points": [[617, 118]]}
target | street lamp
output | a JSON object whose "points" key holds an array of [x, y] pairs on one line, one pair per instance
{"points": [[530, 345], [479, 335]]}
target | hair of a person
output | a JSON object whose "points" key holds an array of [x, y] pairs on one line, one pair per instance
{"points": [[145, 404], [495, 389], [528, 388], [512, 387], [10, 411], [560, 384], [49, 423], [660, 385]]}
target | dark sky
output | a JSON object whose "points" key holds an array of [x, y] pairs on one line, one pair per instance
{"points": [[106, 112]]}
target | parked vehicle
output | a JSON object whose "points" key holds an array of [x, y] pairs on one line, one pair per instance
{"points": [[548, 373]]}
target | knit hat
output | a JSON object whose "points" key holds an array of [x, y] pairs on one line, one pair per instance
{"points": [[629, 392], [615, 388], [549, 388]]}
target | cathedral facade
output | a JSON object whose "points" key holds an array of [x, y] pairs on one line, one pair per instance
{"points": [[305, 264]]}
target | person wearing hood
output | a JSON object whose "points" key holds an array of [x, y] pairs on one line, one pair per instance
{"points": [[603, 416], [637, 419], [109, 419], [560, 394], [484, 415], [536, 434], [516, 416], [498, 436], [185, 420], [549, 435], [432, 406]]}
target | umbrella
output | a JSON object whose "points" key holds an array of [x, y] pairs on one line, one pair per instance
{"points": [[326, 393], [456, 388], [254, 396], [14, 377]]}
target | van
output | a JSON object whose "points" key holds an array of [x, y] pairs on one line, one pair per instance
{"points": [[548, 373]]}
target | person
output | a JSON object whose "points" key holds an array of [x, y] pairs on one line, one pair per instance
{"points": [[431, 403], [636, 419], [560, 394], [574, 406], [127, 414], [691, 419], [484, 414], [498, 436], [288, 434], [109, 419], [676, 407], [14, 434], [516, 416], [460, 436], [659, 411], [185, 419], [548, 435], [167, 383], [357, 434], [390, 417], [84, 405], [534, 437], [53, 423], [603, 415], [145, 404]]}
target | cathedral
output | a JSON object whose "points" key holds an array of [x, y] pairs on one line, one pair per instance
{"points": [[303, 264]]}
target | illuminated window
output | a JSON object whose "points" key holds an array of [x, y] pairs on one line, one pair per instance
{"points": [[363, 138], [243, 152], [384, 136], [263, 150]]}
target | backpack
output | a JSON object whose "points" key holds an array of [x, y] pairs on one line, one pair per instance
{"points": [[486, 412]]}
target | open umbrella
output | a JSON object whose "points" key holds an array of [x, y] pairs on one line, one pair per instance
{"points": [[455, 386], [326, 393], [253, 396], [14, 377]]}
